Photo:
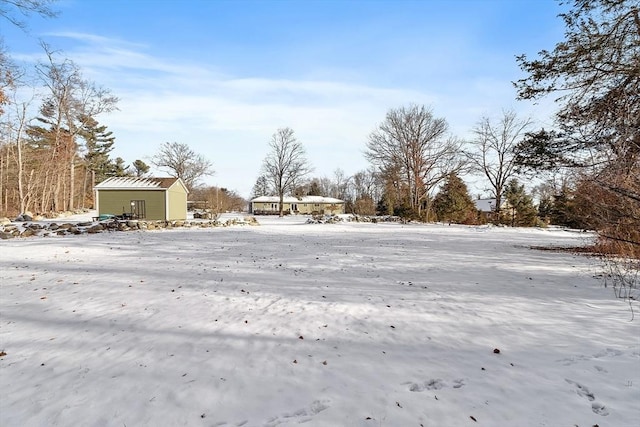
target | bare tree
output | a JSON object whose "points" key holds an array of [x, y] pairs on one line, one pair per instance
{"points": [[71, 102], [416, 147], [365, 190], [494, 148], [8, 76], [339, 185], [286, 164], [19, 133], [9, 9], [180, 161]]}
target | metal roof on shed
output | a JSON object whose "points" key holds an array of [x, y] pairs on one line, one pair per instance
{"points": [[124, 183]]}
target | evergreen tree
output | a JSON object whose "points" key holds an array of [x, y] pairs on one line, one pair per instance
{"points": [[453, 203], [545, 208], [593, 74], [523, 213], [261, 187], [118, 168], [569, 210], [140, 168], [98, 143]]}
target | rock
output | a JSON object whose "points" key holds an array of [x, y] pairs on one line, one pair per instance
{"points": [[28, 232], [4, 235], [5, 221], [11, 229], [98, 228], [24, 217]]}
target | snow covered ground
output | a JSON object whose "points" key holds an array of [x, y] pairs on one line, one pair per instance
{"points": [[286, 323]]}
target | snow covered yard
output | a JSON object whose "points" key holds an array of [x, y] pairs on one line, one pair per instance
{"points": [[344, 324]]}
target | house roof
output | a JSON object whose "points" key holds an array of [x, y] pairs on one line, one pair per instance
{"points": [[304, 199], [133, 183], [485, 205]]}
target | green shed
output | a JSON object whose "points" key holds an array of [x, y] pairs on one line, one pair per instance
{"points": [[142, 198]]}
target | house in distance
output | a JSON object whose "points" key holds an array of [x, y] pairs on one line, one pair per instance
{"points": [[306, 205], [142, 198]]}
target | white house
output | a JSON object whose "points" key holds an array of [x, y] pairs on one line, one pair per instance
{"points": [[306, 205]]}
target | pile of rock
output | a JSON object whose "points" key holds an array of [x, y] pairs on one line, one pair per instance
{"points": [[9, 229], [326, 219], [377, 218]]}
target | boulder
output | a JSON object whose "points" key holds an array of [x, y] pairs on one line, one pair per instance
{"points": [[11, 229], [24, 217], [28, 232], [98, 228]]}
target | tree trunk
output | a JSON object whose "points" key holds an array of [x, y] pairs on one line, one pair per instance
{"points": [[72, 182]]}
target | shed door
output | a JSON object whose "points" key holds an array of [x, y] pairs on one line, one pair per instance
{"points": [[138, 209]]}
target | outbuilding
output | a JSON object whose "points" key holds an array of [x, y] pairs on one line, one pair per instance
{"points": [[142, 198]]}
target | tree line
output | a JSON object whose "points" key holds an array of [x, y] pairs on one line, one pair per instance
{"points": [[588, 163], [415, 170]]}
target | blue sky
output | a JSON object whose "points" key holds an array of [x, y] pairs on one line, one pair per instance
{"points": [[223, 76]]}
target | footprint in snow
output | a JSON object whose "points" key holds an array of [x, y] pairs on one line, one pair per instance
{"points": [[599, 409], [608, 352], [583, 391], [434, 384], [300, 416]]}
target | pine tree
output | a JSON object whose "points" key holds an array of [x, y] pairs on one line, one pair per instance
{"points": [[140, 168], [98, 142], [453, 203], [523, 213], [118, 168], [261, 187], [593, 74]]}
